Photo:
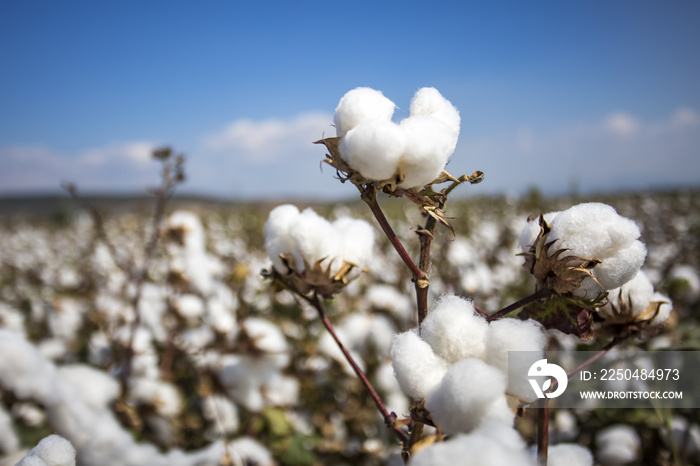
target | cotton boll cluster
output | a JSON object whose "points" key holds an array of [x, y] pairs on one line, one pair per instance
{"points": [[457, 348], [305, 239], [594, 231], [417, 148], [53, 450]]}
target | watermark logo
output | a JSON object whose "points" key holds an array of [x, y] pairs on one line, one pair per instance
{"points": [[542, 369]]}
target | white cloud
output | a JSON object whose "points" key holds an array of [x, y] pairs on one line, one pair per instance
{"points": [[114, 166], [621, 124], [271, 139], [138, 152]]}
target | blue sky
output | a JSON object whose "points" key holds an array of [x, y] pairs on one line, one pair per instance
{"points": [[601, 95]]}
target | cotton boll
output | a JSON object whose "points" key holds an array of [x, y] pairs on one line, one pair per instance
{"points": [[595, 230], [569, 454], [221, 413], [265, 335], [428, 101], [9, 442], [464, 396], [428, 146], [281, 390], [245, 450], [54, 451], [417, 369], [529, 233], [358, 238], [374, 148], [95, 388], [664, 309], [515, 335], [618, 445], [31, 461], [190, 307], [277, 234], [635, 296], [361, 104], [473, 450], [315, 239], [454, 330], [389, 299]]}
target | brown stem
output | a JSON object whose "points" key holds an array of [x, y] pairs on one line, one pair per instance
{"points": [[543, 431], [595, 357], [370, 197], [536, 296], [389, 418]]}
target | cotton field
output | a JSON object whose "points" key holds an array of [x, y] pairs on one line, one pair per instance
{"points": [[202, 360]]}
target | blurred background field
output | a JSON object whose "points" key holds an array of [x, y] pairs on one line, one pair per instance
{"points": [[220, 355]]}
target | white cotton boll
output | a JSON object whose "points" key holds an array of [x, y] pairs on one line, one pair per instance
{"points": [[472, 450], [417, 369], [637, 293], [31, 461], [189, 306], [265, 335], [245, 450], [515, 335], [617, 445], [361, 104], [388, 298], [664, 311], [358, 238], [281, 390], [65, 318], [221, 413], [9, 442], [374, 148], [529, 233], [428, 146], [428, 101], [278, 239], [454, 330], [689, 276], [595, 230], [464, 396], [191, 226], [164, 396], [569, 454], [23, 369], [95, 388], [54, 450], [315, 239]]}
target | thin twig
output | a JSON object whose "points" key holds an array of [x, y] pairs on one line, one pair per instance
{"points": [[595, 357], [536, 296], [389, 418], [370, 197]]}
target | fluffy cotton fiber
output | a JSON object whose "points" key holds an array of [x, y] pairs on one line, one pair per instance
{"points": [[361, 104], [53, 450], [595, 230], [454, 330], [306, 236], [417, 369], [466, 395], [418, 148]]}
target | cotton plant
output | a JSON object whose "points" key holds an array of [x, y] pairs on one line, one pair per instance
{"points": [[577, 257]]}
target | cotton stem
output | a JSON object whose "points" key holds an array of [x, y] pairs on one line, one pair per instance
{"points": [[536, 296], [389, 418]]}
